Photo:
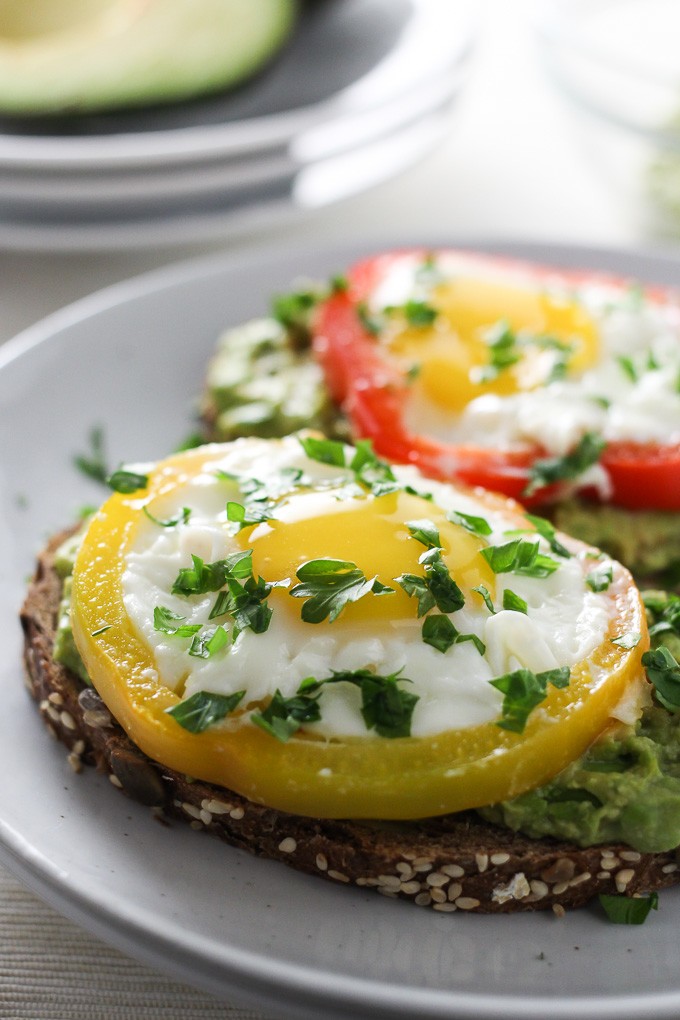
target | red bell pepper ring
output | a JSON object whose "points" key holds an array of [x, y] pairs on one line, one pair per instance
{"points": [[373, 390]]}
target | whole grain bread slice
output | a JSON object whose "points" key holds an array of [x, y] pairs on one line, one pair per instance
{"points": [[455, 862]]}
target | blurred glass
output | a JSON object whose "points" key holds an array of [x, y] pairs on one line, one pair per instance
{"points": [[618, 63]]}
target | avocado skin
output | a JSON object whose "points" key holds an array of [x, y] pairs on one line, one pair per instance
{"points": [[139, 54]]}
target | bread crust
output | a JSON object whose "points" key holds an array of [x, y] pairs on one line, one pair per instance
{"points": [[455, 862]]}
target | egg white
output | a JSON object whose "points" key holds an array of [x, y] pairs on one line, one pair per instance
{"points": [[565, 622]]}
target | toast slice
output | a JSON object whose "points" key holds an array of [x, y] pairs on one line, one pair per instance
{"points": [[455, 862]]}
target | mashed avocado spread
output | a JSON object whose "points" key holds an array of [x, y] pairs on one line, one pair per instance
{"points": [[647, 541], [625, 788]]}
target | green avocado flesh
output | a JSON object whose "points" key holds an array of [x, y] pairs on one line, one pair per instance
{"points": [[89, 55], [262, 382], [647, 541], [624, 789]]}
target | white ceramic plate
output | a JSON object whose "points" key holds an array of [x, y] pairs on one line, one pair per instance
{"points": [[131, 359], [216, 211], [347, 60]]}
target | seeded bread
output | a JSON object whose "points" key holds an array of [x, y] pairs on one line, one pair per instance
{"points": [[456, 862]]}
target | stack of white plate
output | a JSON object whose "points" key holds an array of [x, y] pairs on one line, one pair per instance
{"points": [[362, 90]]}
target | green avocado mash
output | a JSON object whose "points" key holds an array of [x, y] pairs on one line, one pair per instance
{"points": [[262, 382], [625, 788], [647, 541]]}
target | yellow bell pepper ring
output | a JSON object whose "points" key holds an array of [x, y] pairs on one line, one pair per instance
{"points": [[371, 777]]}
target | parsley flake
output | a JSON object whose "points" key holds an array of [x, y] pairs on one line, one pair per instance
{"points": [[127, 482], [629, 909], [600, 578], [168, 622], [385, 708], [93, 463], [550, 470], [475, 525], [663, 672], [547, 531], [181, 517], [522, 691], [203, 709], [325, 451], [246, 516], [209, 642], [441, 633], [514, 602], [284, 716], [205, 577], [628, 640], [416, 313], [519, 557], [328, 585]]}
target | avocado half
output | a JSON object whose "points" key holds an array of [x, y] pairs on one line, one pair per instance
{"points": [[81, 56]]}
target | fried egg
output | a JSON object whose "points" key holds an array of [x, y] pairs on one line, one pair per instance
{"points": [[509, 358], [296, 509]]}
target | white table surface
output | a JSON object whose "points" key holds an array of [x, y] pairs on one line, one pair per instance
{"points": [[512, 168]]}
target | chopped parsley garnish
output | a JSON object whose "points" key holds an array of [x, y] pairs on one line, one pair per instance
{"points": [[523, 690], [181, 517], [277, 484], [168, 622], [127, 482], [190, 442], [245, 516], [425, 532], [292, 310], [203, 709], [600, 578], [519, 557], [284, 716], [429, 272], [628, 367], [370, 472], [628, 640], [325, 451], [550, 470], [504, 351], [546, 530], [442, 634], [416, 313], [486, 597], [209, 642], [93, 463], [629, 909], [436, 587], [245, 602], [663, 672], [475, 525], [514, 602], [385, 707], [328, 585], [371, 323], [205, 577], [663, 612], [101, 630]]}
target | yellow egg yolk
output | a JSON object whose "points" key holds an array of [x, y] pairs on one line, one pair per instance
{"points": [[370, 531], [455, 357]]}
